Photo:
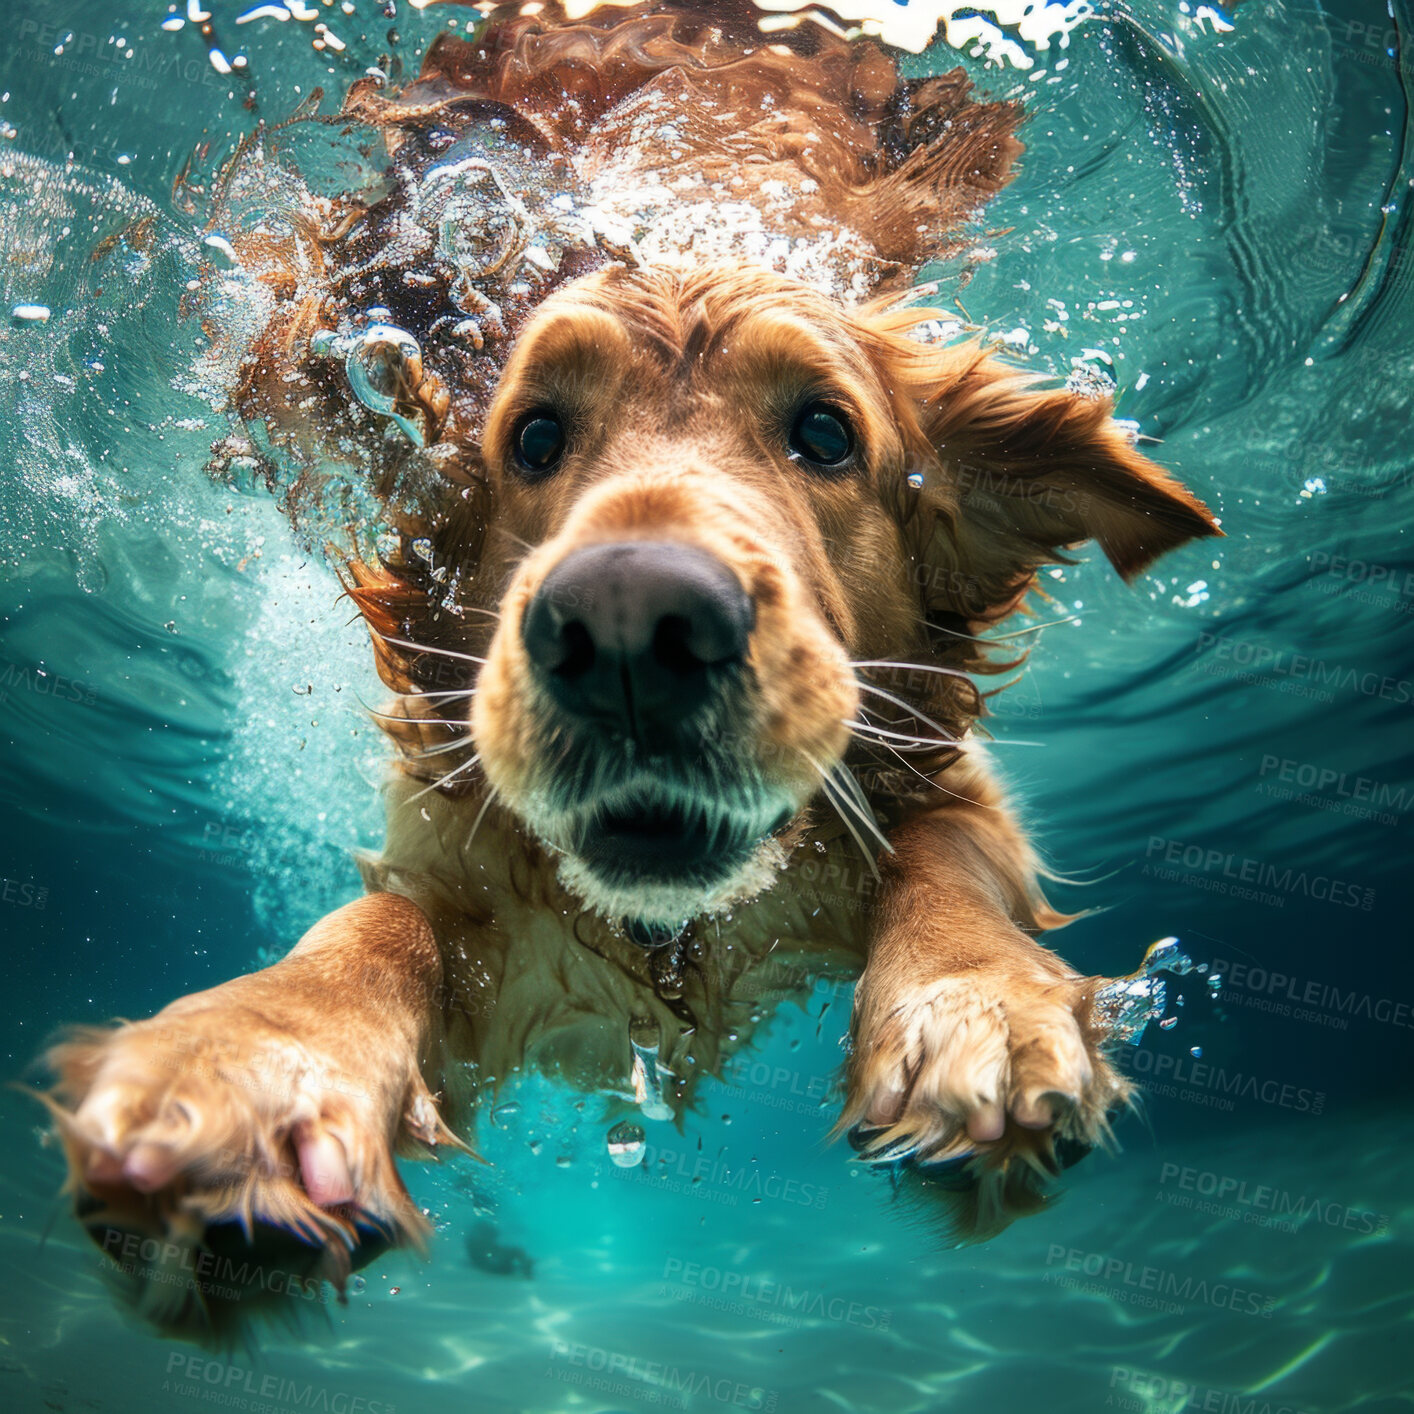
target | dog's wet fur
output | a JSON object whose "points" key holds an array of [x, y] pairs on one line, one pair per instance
{"points": [[684, 613]]}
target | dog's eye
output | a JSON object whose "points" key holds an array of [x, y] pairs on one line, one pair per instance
{"points": [[539, 443], [822, 437]]}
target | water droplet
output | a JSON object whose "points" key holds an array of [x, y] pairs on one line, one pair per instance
{"points": [[1215, 983], [626, 1145], [1196, 1052], [1168, 1023], [649, 1078]]}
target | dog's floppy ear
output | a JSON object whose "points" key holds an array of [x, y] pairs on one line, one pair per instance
{"points": [[1007, 476]]}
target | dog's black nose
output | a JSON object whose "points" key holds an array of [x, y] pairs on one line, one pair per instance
{"points": [[637, 634]]}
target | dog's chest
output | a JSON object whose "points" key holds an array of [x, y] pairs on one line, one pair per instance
{"points": [[532, 982]]}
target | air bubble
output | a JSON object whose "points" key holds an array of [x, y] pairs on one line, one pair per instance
{"points": [[626, 1145], [1128, 1004]]}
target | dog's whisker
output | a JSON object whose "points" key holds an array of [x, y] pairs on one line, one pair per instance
{"points": [[932, 781], [455, 771], [852, 815], [916, 744], [1035, 628], [1002, 637], [848, 819], [850, 787], [481, 814], [427, 648], [907, 707], [913, 667], [414, 721], [460, 744], [907, 741], [956, 633], [877, 719]]}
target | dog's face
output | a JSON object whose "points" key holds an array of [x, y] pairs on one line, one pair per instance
{"points": [[696, 467], [708, 480]]}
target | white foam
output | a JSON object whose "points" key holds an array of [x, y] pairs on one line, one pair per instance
{"points": [[915, 26]]}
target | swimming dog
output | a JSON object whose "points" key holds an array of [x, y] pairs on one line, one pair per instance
{"points": [[692, 533]]}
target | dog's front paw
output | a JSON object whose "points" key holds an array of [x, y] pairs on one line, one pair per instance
{"points": [[1000, 1064], [214, 1140]]}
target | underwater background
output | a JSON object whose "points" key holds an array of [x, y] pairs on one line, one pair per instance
{"points": [[1213, 210]]}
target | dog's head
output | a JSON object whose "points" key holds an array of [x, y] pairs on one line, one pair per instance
{"points": [[705, 505], [728, 496]]}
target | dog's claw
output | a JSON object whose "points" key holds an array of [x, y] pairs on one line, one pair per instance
{"points": [[958, 1069], [873, 1148]]}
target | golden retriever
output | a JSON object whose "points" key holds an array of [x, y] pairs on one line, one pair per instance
{"points": [[694, 543]]}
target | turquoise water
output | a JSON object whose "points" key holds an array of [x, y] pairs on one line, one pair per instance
{"points": [[1217, 217]]}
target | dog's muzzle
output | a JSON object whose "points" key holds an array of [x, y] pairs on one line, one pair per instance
{"points": [[640, 648]]}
